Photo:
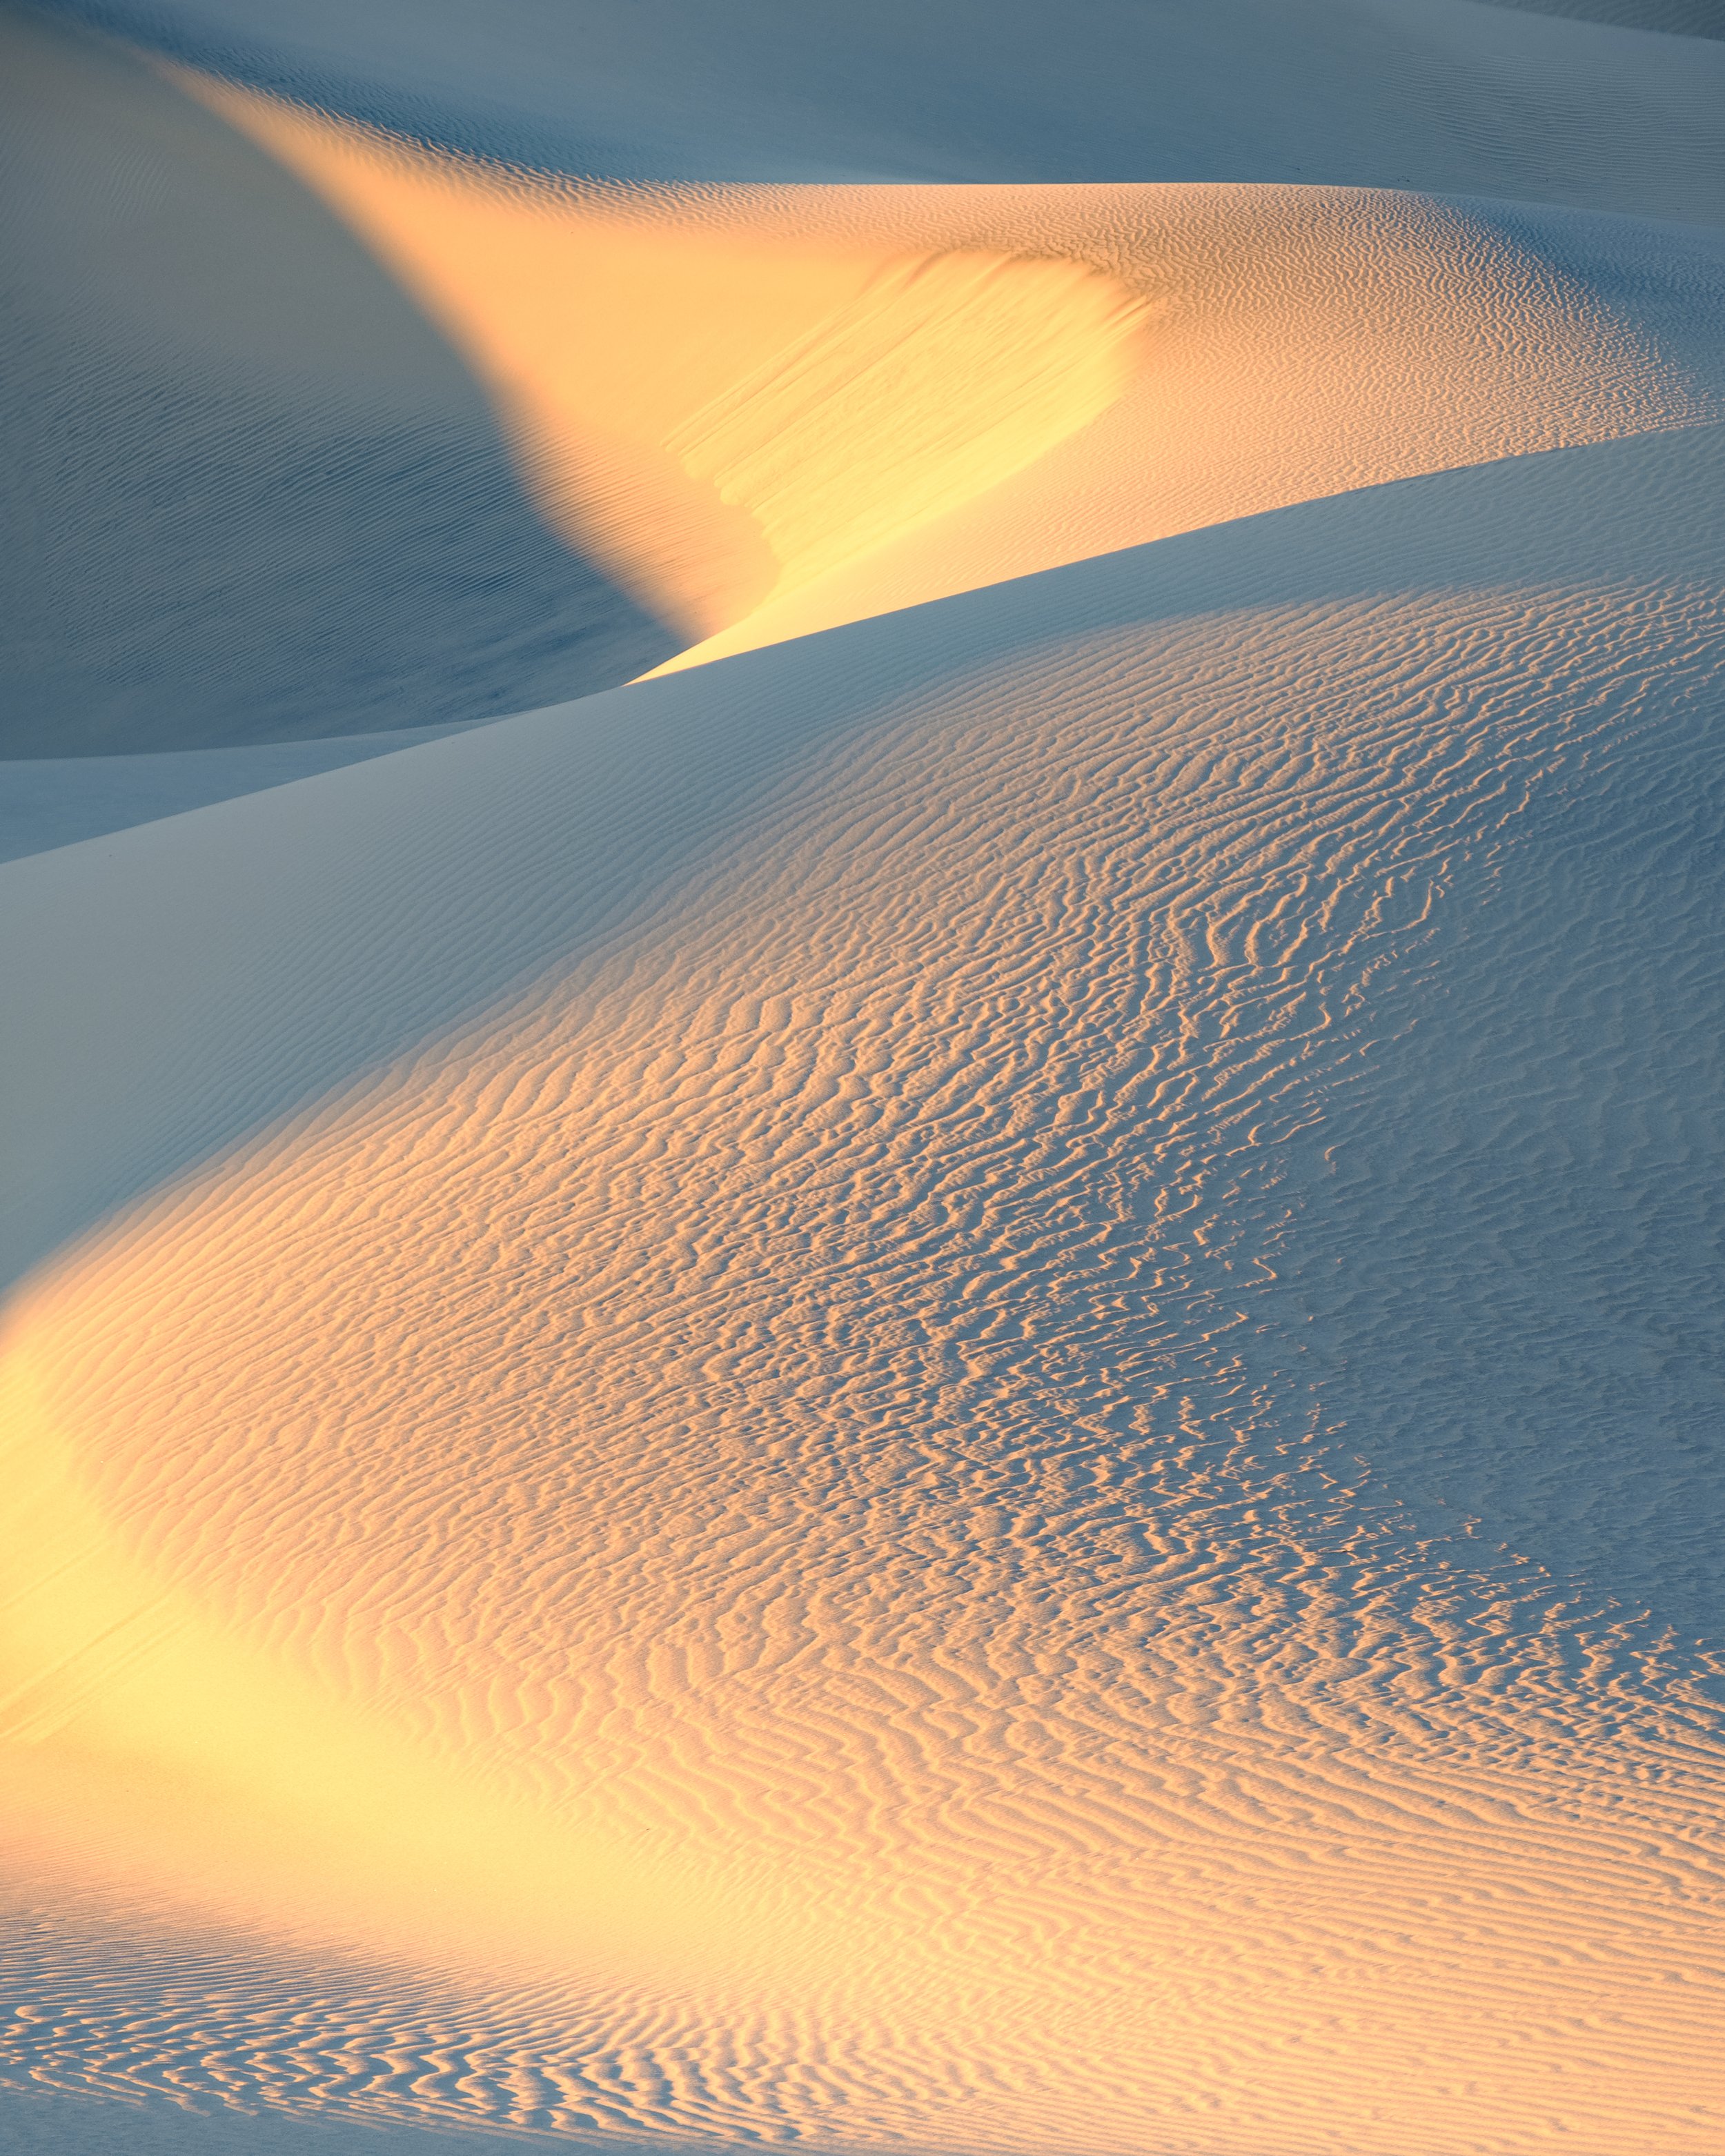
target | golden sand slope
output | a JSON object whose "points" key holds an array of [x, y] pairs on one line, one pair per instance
{"points": [[722, 415], [770, 1427], [771, 411], [745, 1482]]}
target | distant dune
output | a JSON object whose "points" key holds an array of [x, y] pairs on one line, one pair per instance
{"points": [[940, 1372]]}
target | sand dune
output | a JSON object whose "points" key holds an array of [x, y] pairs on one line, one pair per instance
{"points": [[1441, 95], [249, 496], [883, 1490], [257, 505], [1197, 354], [812, 420], [948, 1381]]}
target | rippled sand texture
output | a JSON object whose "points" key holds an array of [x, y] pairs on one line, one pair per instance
{"points": [[949, 1381]]}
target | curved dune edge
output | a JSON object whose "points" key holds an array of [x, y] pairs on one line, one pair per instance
{"points": [[251, 494], [1304, 342], [827, 1311], [772, 411], [744, 1513], [720, 418]]}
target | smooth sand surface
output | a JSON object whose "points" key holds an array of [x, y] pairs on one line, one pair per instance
{"points": [[1443, 94], [949, 1381], [249, 495], [55, 801]]}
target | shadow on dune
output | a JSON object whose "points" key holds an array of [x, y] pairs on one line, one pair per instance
{"points": [[252, 496], [1678, 19], [319, 929], [80, 2126], [1447, 96]]}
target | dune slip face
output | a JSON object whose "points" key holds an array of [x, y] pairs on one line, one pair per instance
{"points": [[939, 1368]]}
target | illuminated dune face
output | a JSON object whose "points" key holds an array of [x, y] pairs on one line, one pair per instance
{"points": [[724, 416], [778, 1408], [1301, 343], [771, 411], [942, 1384], [125, 1707], [944, 376]]}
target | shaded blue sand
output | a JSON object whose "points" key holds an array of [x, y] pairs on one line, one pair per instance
{"points": [[246, 492], [1444, 95], [56, 801], [1677, 18], [85, 2126]]}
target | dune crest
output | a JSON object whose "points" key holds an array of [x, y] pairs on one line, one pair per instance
{"points": [[948, 1382], [797, 1382], [721, 416], [772, 411]]}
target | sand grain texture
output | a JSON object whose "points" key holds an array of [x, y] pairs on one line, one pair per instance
{"points": [[948, 1381]]}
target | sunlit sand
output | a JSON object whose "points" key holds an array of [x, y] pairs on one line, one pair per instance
{"points": [[942, 1377], [838, 391]]}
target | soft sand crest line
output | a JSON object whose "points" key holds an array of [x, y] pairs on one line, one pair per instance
{"points": [[799, 1382], [720, 416], [771, 411]]}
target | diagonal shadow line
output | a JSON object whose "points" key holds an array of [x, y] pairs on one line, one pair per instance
{"points": [[172, 989]]}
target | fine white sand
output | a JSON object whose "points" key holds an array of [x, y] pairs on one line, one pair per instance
{"points": [[951, 1381]]}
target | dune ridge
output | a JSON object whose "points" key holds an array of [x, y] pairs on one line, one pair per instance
{"points": [[813, 418], [1118, 1663], [947, 1381], [1186, 346]]}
